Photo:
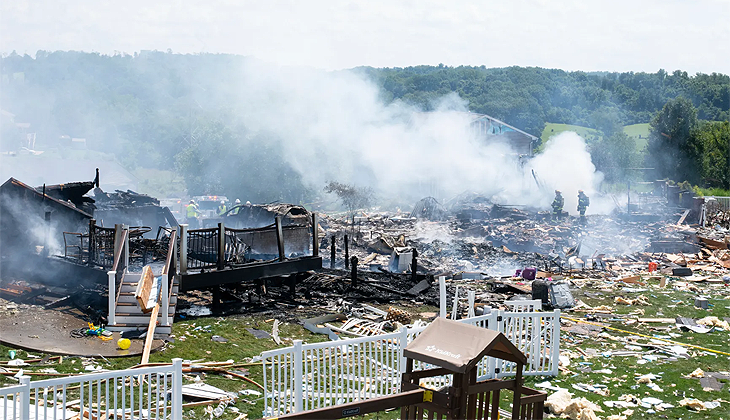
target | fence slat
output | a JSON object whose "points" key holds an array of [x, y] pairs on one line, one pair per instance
{"points": [[316, 375]]}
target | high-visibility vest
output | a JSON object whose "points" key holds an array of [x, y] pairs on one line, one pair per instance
{"points": [[221, 209], [192, 212]]}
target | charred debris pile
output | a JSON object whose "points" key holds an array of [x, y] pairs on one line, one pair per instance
{"points": [[496, 251]]}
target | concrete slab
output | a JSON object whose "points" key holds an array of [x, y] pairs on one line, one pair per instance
{"points": [[49, 331]]}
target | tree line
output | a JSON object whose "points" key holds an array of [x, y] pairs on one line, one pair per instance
{"points": [[177, 112]]}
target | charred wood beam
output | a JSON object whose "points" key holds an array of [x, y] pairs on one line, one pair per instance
{"points": [[248, 273]]}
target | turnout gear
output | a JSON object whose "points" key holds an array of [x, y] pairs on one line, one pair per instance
{"points": [[558, 204], [583, 203]]}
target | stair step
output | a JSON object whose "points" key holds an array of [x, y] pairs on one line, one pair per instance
{"points": [[138, 320], [135, 311], [124, 299], [160, 331]]}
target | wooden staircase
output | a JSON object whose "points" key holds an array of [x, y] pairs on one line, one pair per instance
{"points": [[128, 314]]}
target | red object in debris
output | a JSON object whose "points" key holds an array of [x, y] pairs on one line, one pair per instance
{"points": [[652, 267]]}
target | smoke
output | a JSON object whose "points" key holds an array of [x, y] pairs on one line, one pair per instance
{"points": [[35, 231], [336, 126]]}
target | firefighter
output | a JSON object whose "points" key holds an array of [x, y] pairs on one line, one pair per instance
{"points": [[236, 207], [557, 205], [222, 208], [583, 203], [192, 213]]}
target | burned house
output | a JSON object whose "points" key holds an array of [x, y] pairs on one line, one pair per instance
{"points": [[132, 209], [490, 130], [32, 221]]}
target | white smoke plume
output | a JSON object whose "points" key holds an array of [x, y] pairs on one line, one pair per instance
{"points": [[336, 126]]}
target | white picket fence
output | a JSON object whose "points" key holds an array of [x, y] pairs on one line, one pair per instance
{"points": [[310, 376], [723, 201], [144, 393]]}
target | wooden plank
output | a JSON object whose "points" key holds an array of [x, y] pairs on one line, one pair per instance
{"points": [[658, 320], [144, 287], [362, 407], [712, 244], [684, 216], [150, 335]]}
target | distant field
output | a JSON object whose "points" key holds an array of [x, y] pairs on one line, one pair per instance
{"points": [[640, 132], [552, 129]]}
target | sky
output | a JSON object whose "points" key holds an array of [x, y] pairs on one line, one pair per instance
{"points": [[593, 35]]}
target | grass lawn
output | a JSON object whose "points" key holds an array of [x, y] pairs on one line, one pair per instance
{"points": [[552, 129], [589, 364], [640, 133]]}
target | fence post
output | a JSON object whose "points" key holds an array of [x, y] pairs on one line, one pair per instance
{"points": [[25, 398], [221, 246], [555, 345], [298, 377], [315, 235], [112, 277], [280, 238], [176, 411], [442, 296], [183, 249], [401, 359]]}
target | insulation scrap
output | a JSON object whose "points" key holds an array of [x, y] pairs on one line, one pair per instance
{"points": [[713, 321], [692, 404], [698, 373], [562, 404], [640, 300]]}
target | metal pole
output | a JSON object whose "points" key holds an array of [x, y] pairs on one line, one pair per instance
{"points": [[183, 249], [112, 282], [280, 238], [221, 246], [315, 235]]}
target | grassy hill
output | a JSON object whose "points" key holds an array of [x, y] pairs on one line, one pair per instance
{"points": [[552, 129], [640, 133]]}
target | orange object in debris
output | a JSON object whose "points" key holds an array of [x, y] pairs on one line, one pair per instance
{"points": [[652, 267]]}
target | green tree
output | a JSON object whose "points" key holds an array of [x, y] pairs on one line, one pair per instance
{"points": [[614, 156], [715, 140], [672, 147]]}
